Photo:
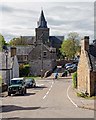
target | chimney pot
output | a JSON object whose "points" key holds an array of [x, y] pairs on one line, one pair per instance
{"points": [[85, 43], [86, 37]]}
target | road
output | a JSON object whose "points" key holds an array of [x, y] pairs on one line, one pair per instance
{"points": [[48, 100]]}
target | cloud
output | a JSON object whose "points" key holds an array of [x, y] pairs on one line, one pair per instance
{"points": [[21, 18]]}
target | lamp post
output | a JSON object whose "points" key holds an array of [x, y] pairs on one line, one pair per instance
{"points": [[6, 54]]}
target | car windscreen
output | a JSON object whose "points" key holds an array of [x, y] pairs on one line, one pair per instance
{"points": [[13, 82], [29, 80]]}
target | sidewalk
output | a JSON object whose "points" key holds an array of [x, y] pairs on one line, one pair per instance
{"points": [[81, 102], [4, 94]]}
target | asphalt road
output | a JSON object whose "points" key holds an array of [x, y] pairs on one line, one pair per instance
{"points": [[48, 100]]}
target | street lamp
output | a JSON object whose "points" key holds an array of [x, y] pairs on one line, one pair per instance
{"points": [[6, 54]]}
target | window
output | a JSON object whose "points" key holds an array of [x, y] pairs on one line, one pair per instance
{"points": [[44, 54], [25, 58]]}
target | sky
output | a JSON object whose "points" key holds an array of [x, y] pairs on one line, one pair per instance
{"points": [[20, 18]]}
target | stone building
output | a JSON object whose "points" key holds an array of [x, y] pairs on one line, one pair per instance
{"points": [[22, 53], [40, 50], [32, 41], [42, 57], [86, 80]]}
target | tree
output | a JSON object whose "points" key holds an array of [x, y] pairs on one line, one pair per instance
{"points": [[71, 46], [17, 41], [73, 36], [67, 49], [2, 42]]}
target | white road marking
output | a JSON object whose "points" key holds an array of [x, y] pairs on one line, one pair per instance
{"points": [[70, 98], [48, 91], [44, 97]]}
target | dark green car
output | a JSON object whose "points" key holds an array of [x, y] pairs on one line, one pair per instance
{"points": [[17, 86]]}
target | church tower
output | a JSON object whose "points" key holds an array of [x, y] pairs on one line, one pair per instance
{"points": [[42, 31]]}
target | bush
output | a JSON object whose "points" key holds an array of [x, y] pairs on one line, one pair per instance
{"points": [[0, 80], [74, 80], [81, 94], [24, 70]]}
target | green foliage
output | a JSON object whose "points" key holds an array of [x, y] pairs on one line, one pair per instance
{"points": [[24, 70], [81, 94], [17, 41], [0, 80], [2, 42], [67, 49], [71, 46], [74, 80], [73, 36]]}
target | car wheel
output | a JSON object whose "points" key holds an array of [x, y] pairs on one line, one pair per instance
{"points": [[25, 91], [22, 92], [9, 94]]}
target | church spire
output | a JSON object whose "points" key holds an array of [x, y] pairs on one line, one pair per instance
{"points": [[42, 22]]}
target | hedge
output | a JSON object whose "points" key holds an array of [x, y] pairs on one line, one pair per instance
{"points": [[74, 80]]}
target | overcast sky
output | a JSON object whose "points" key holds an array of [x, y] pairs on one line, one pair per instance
{"points": [[21, 18]]}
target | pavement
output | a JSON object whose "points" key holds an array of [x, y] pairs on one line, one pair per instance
{"points": [[86, 103]]}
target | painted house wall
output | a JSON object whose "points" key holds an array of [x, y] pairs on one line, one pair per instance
{"points": [[15, 69]]}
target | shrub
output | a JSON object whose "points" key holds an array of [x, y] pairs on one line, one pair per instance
{"points": [[81, 94], [24, 70], [74, 80], [0, 80]]}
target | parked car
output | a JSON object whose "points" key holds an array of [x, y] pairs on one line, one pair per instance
{"points": [[68, 65], [73, 68], [17, 86], [30, 82]]}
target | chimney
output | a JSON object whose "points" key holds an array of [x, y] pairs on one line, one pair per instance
{"points": [[13, 51], [85, 43]]}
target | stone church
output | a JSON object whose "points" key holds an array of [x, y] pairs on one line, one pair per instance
{"points": [[40, 50]]}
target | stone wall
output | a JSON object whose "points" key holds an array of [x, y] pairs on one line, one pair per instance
{"points": [[93, 83], [83, 73], [37, 65], [42, 35]]}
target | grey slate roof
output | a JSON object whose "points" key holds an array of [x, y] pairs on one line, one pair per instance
{"points": [[92, 55], [24, 50], [29, 40], [56, 41], [42, 23]]}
